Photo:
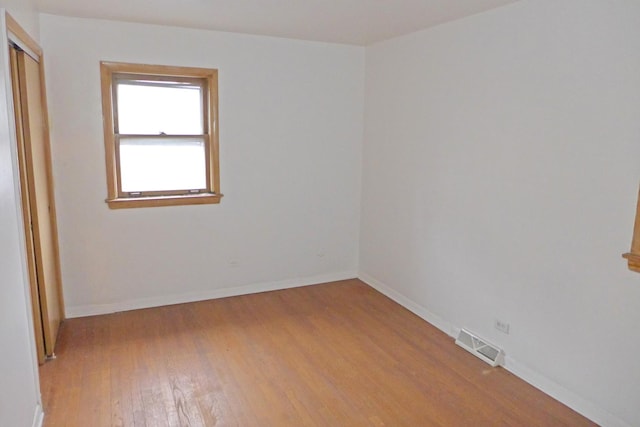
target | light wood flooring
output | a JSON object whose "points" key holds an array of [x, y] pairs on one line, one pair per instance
{"points": [[336, 354]]}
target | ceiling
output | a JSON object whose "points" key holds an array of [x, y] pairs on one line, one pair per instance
{"points": [[358, 22]]}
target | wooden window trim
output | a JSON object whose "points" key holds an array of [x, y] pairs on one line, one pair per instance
{"points": [[633, 257], [118, 200]]}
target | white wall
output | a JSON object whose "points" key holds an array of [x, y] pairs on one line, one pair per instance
{"points": [[500, 174], [19, 391], [291, 123], [25, 13], [501, 167]]}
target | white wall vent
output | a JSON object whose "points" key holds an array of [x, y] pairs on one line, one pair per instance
{"points": [[491, 354]]}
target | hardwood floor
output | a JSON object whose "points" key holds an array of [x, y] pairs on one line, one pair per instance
{"points": [[337, 354]]}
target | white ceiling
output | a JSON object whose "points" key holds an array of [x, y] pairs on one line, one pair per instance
{"points": [[359, 22]]}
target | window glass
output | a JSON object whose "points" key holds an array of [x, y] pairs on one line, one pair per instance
{"points": [[153, 108], [161, 135], [162, 164]]}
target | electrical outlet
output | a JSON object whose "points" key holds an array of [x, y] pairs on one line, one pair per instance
{"points": [[502, 326]]}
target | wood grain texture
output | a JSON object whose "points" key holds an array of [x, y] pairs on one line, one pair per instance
{"points": [[633, 257], [22, 35], [337, 354], [153, 202], [37, 188], [26, 210], [41, 200]]}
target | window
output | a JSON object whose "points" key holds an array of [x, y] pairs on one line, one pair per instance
{"points": [[161, 135], [633, 257]]}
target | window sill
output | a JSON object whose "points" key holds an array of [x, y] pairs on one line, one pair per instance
{"points": [[633, 261], [149, 202]]}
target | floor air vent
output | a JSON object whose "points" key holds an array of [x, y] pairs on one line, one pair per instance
{"points": [[491, 354]]}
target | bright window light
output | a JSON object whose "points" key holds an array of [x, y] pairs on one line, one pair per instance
{"points": [[153, 108], [148, 164], [161, 135]]}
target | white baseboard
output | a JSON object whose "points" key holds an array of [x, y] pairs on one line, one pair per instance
{"points": [[579, 404], [97, 309], [38, 416], [416, 309]]}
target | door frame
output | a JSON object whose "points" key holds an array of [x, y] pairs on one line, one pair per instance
{"points": [[18, 36]]}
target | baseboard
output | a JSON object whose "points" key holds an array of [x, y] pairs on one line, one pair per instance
{"points": [[38, 416], [549, 387], [416, 309], [572, 400], [97, 309]]}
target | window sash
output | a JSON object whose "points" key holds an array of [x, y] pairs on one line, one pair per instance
{"points": [[168, 82], [176, 192], [110, 74], [160, 81]]}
